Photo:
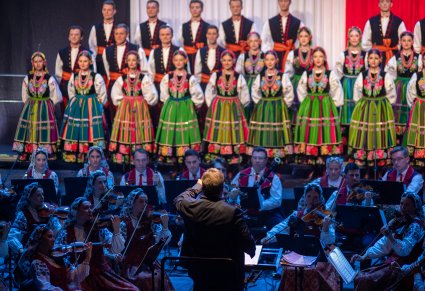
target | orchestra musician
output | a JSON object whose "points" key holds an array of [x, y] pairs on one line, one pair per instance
{"points": [[194, 171], [142, 175], [48, 272], [82, 226], [140, 233], [39, 167], [96, 161], [4, 232], [401, 242], [334, 173]]}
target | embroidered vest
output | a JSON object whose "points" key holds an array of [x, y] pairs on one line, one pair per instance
{"points": [[159, 63], [130, 177], [138, 247], [111, 56], [351, 67], [391, 33], [186, 176], [281, 35], [200, 37], [299, 68], [229, 30], [65, 56], [101, 36], [265, 186], [376, 89], [204, 59], [392, 176], [149, 40], [317, 88], [37, 90], [407, 72]]}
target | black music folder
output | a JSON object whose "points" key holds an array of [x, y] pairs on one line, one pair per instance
{"points": [[327, 192], [150, 191], [249, 198], [389, 192], [48, 186], [173, 189], [74, 188]]}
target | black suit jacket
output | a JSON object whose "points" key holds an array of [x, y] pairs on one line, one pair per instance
{"points": [[214, 229]]}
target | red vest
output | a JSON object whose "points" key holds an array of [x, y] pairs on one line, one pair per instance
{"points": [[342, 193], [185, 175], [46, 174], [58, 275], [31, 223], [244, 178], [138, 247], [392, 176], [130, 177]]}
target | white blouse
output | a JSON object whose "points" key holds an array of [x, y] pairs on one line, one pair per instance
{"points": [[55, 93], [242, 88], [99, 86], [389, 88], [195, 90], [150, 94], [287, 89]]}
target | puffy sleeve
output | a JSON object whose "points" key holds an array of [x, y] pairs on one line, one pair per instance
{"points": [[256, 93], [339, 66], [288, 90], [391, 67], [336, 91], [41, 276], [79, 273], [116, 92], [411, 90], [116, 240], [71, 87], [163, 88], [151, 64], [289, 68], [417, 39], [302, 87], [24, 93], [266, 37], [123, 230], [211, 90], [138, 36], [367, 37], [55, 179], [198, 65], [93, 40], [358, 88], [58, 68], [55, 92], [221, 36], [240, 64], [243, 91], [196, 93], [282, 228], [420, 63], [105, 63], [99, 85], [390, 88], [149, 90], [143, 62]]}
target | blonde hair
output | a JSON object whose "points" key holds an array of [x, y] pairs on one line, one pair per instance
{"points": [[212, 182]]}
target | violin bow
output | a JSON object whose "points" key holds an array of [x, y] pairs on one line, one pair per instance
{"points": [[135, 229]]}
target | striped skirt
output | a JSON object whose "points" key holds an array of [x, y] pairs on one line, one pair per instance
{"points": [[82, 125], [372, 123], [270, 127], [349, 104], [400, 107], [414, 138], [178, 128], [37, 127], [296, 104], [317, 132], [132, 128], [226, 128]]}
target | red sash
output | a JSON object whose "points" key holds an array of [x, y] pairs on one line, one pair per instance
{"points": [[130, 177]]}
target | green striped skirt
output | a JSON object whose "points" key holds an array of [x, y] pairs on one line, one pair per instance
{"points": [[178, 128], [414, 137], [296, 104], [37, 127], [372, 122], [270, 127], [349, 104], [318, 131], [400, 107], [226, 128]]}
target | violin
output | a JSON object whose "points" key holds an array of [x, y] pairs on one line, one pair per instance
{"points": [[76, 247], [156, 216], [358, 193], [104, 221], [48, 210], [317, 215]]}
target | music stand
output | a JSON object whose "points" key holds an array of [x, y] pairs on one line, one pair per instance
{"points": [[150, 191], [327, 192], [249, 198], [389, 191], [74, 188], [307, 245], [173, 189], [48, 186]]}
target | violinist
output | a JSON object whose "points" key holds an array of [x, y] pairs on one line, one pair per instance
{"points": [[39, 168], [334, 173], [311, 200], [81, 226], [403, 172], [4, 232], [142, 175], [271, 189], [27, 217], [148, 231], [96, 162], [401, 242], [48, 272]]}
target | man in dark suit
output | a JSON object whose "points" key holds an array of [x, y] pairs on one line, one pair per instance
{"points": [[214, 229]]}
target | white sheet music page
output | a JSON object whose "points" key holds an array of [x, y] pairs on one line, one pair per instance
{"points": [[254, 260], [342, 266]]}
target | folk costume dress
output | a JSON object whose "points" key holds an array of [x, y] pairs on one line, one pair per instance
{"points": [[270, 126], [373, 118], [178, 128], [318, 132], [297, 63], [226, 128], [132, 128], [401, 68], [414, 138], [37, 124], [348, 67], [82, 123]]}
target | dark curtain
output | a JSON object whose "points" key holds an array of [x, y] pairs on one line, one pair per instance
{"points": [[30, 25]]}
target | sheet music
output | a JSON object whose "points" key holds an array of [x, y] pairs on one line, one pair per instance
{"points": [[342, 266], [297, 260], [255, 259]]}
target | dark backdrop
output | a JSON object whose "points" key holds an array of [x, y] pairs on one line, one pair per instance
{"points": [[29, 25]]}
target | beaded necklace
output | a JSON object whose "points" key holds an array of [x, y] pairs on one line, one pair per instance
{"points": [[227, 85], [270, 78], [131, 82], [409, 63], [304, 62], [179, 83]]}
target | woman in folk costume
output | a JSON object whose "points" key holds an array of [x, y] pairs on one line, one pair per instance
{"points": [[96, 161], [178, 128], [82, 123], [414, 138], [372, 123], [349, 65], [226, 128], [401, 67], [39, 167], [132, 128], [317, 132], [270, 126], [297, 62], [250, 64], [37, 124]]}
